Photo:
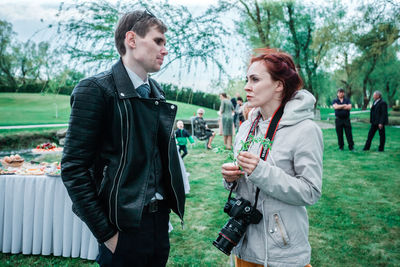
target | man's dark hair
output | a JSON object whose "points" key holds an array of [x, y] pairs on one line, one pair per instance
{"points": [[340, 90], [239, 98], [139, 22]]}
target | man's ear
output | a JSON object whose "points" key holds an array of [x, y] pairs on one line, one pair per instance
{"points": [[130, 39]]}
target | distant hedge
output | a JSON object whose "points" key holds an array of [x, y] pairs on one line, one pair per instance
{"points": [[173, 92], [187, 95]]}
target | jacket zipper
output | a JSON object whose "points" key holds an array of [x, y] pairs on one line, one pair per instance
{"points": [[280, 228], [119, 168], [123, 166], [172, 185]]}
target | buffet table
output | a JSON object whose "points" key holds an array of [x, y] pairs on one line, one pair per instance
{"points": [[36, 218]]}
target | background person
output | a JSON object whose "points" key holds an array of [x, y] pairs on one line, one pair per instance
{"points": [[201, 130], [378, 119], [246, 111], [239, 113], [342, 108], [181, 137], [291, 177], [226, 110], [124, 198]]}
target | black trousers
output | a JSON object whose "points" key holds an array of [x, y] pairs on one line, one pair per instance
{"points": [[346, 125], [371, 134], [147, 246], [184, 149]]}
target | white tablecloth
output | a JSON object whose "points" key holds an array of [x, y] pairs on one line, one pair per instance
{"points": [[36, 218]]}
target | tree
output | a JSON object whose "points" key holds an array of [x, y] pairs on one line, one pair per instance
{"points": [[292, 27], [89, 35], [379, 29], [24, 65], [34, 62], [64, 81], [386, 76], [6, 59], [262, 21]]}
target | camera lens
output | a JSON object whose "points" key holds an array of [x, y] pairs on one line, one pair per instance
{"points": [[223, 244], [230, 235]]}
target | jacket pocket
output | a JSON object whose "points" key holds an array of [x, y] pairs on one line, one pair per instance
{"points": [[277, 230]]}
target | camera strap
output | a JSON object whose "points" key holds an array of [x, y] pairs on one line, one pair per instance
{"points": [[270, 134]]}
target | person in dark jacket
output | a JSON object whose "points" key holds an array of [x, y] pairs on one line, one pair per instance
{"points": [[120, 163], [201, 130], [342, 108], [378, 120], [181, 138]]}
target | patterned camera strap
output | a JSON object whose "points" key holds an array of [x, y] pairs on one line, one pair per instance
{"points": [[270, 134]]}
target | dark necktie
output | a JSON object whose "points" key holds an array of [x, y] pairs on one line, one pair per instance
{"points": [[144, 90]]}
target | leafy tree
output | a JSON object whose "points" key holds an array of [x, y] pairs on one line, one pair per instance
{"points": [[89, 33], [34, 62], [262, 23], [24, 66], [64, 81], [292, 27], [385, 78], [6, 57], [378, 30]]}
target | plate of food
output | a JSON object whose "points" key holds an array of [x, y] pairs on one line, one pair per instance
{"points": [[46, 148], [54, 175], [31, 171], [6, 172], [53, 169], [12, 161]]}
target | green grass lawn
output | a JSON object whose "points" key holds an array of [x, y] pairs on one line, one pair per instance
{"points": [[355, 223], [25, 109]]}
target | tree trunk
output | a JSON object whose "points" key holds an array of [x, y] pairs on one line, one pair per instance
{"points": [[390, 95], [365, 82]]}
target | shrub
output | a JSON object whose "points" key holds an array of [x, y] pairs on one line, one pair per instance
{"points": [[396, 108]]}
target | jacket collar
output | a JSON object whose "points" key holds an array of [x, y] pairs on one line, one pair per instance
{"points": [[124, 84], [376, 101]]}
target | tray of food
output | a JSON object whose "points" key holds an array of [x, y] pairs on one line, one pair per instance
{"points": [[46, 148], [12, 161], [30, 171]]}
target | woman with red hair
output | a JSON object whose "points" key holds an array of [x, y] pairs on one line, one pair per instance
{"points": [[288, 175]]}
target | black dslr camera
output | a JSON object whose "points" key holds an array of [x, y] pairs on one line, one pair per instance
{"points": [[242, 214]]}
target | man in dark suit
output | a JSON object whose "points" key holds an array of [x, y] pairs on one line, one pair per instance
{"points": [[378, 119], [120, 163]]}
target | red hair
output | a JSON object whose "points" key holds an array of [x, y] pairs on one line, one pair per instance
{"points": [[281, 67]]}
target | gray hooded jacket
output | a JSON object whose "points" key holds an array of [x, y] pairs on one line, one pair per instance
{"points": [[289, 180]]}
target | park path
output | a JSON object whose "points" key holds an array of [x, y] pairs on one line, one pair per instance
{"points": [[33, 126], [325, 125]]}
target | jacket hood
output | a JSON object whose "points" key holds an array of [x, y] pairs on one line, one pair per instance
{"points": [[300, 107]]}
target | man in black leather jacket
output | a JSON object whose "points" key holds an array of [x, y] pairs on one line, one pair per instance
{"points": [[120, 164]]}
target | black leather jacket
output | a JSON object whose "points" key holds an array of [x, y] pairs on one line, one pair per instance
{"points": [[108, 151]]}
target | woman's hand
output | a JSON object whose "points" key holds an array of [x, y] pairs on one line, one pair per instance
{"points": [[231, 172], [247, 161]]}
